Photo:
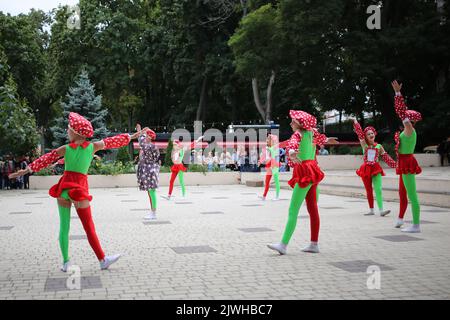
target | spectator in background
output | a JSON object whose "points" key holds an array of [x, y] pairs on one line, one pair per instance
{"points": [[241, 153], [323, 151], [282, 155], [16, 183], [8, 168], [26, 178], [234, 159], [199, 158], [442, 150], [210, 161], [222, 161], [254, 159], [229, 161], [2, 180], [447, 150]]}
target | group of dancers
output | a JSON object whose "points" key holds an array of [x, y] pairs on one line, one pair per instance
{"points": [[72, 188]]}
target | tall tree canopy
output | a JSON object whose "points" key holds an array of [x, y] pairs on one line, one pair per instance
{"points": [[167, 63]]}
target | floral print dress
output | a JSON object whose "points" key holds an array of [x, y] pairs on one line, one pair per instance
{"points": [[148, 167]]}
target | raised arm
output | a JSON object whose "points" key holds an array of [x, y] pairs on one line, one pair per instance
{"points": [[401, 108], [360, 133]]}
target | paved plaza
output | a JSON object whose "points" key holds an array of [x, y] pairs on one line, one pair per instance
{"points": [[212, 245]]}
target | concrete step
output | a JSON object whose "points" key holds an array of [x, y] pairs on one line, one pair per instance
{"points": [[433, 185]]}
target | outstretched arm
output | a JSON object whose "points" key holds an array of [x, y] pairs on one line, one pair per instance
{"points": [[388, 159], [42, 162], [114, 142], [193, 143]]}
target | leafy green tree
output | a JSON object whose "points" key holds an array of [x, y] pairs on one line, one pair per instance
{"points": [[25, 40], [18, 132], [256, 46]]}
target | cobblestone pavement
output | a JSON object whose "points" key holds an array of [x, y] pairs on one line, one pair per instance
{"points": [[212, 245]]}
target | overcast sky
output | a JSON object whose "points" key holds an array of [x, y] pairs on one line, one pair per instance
{"points": [[15, 7]]}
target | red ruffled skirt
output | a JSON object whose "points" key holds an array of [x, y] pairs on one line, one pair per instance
{"points": [[177, 168], [76, 182], [305, 173], [272, 164], [407, 163], [369, 170]]}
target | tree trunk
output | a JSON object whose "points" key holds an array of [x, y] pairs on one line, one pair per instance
{"points": [[201, 104], [257, 99], [244, 7], [265, 110], [269, 98], [130, 129]]}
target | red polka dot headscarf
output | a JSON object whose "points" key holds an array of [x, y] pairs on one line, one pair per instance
{"points": [[306, 120], [413, 115], [80, 125], [370, 128], [151, 133]]}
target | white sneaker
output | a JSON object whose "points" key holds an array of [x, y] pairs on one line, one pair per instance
{"points": [[370, 213], [312, 247], [150, 216], [276, 199], [281, 248], [167, 198], [65, 266], [262, 198], [109, 260], [384, 213], [414, 228], [398, 223]]}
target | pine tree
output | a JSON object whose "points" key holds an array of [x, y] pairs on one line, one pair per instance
{"points": [[82, 100]]}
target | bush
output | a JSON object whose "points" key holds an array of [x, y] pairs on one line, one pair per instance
{"points": [[356, 151], [45, 172], [198, 168], [111, 168], [123, 155]]}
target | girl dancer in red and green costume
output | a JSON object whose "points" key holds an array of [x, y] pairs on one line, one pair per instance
{"points": [[407, 166], [371, 171], [178, 168], [73, 185], [305, 178], [272, 166]]}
